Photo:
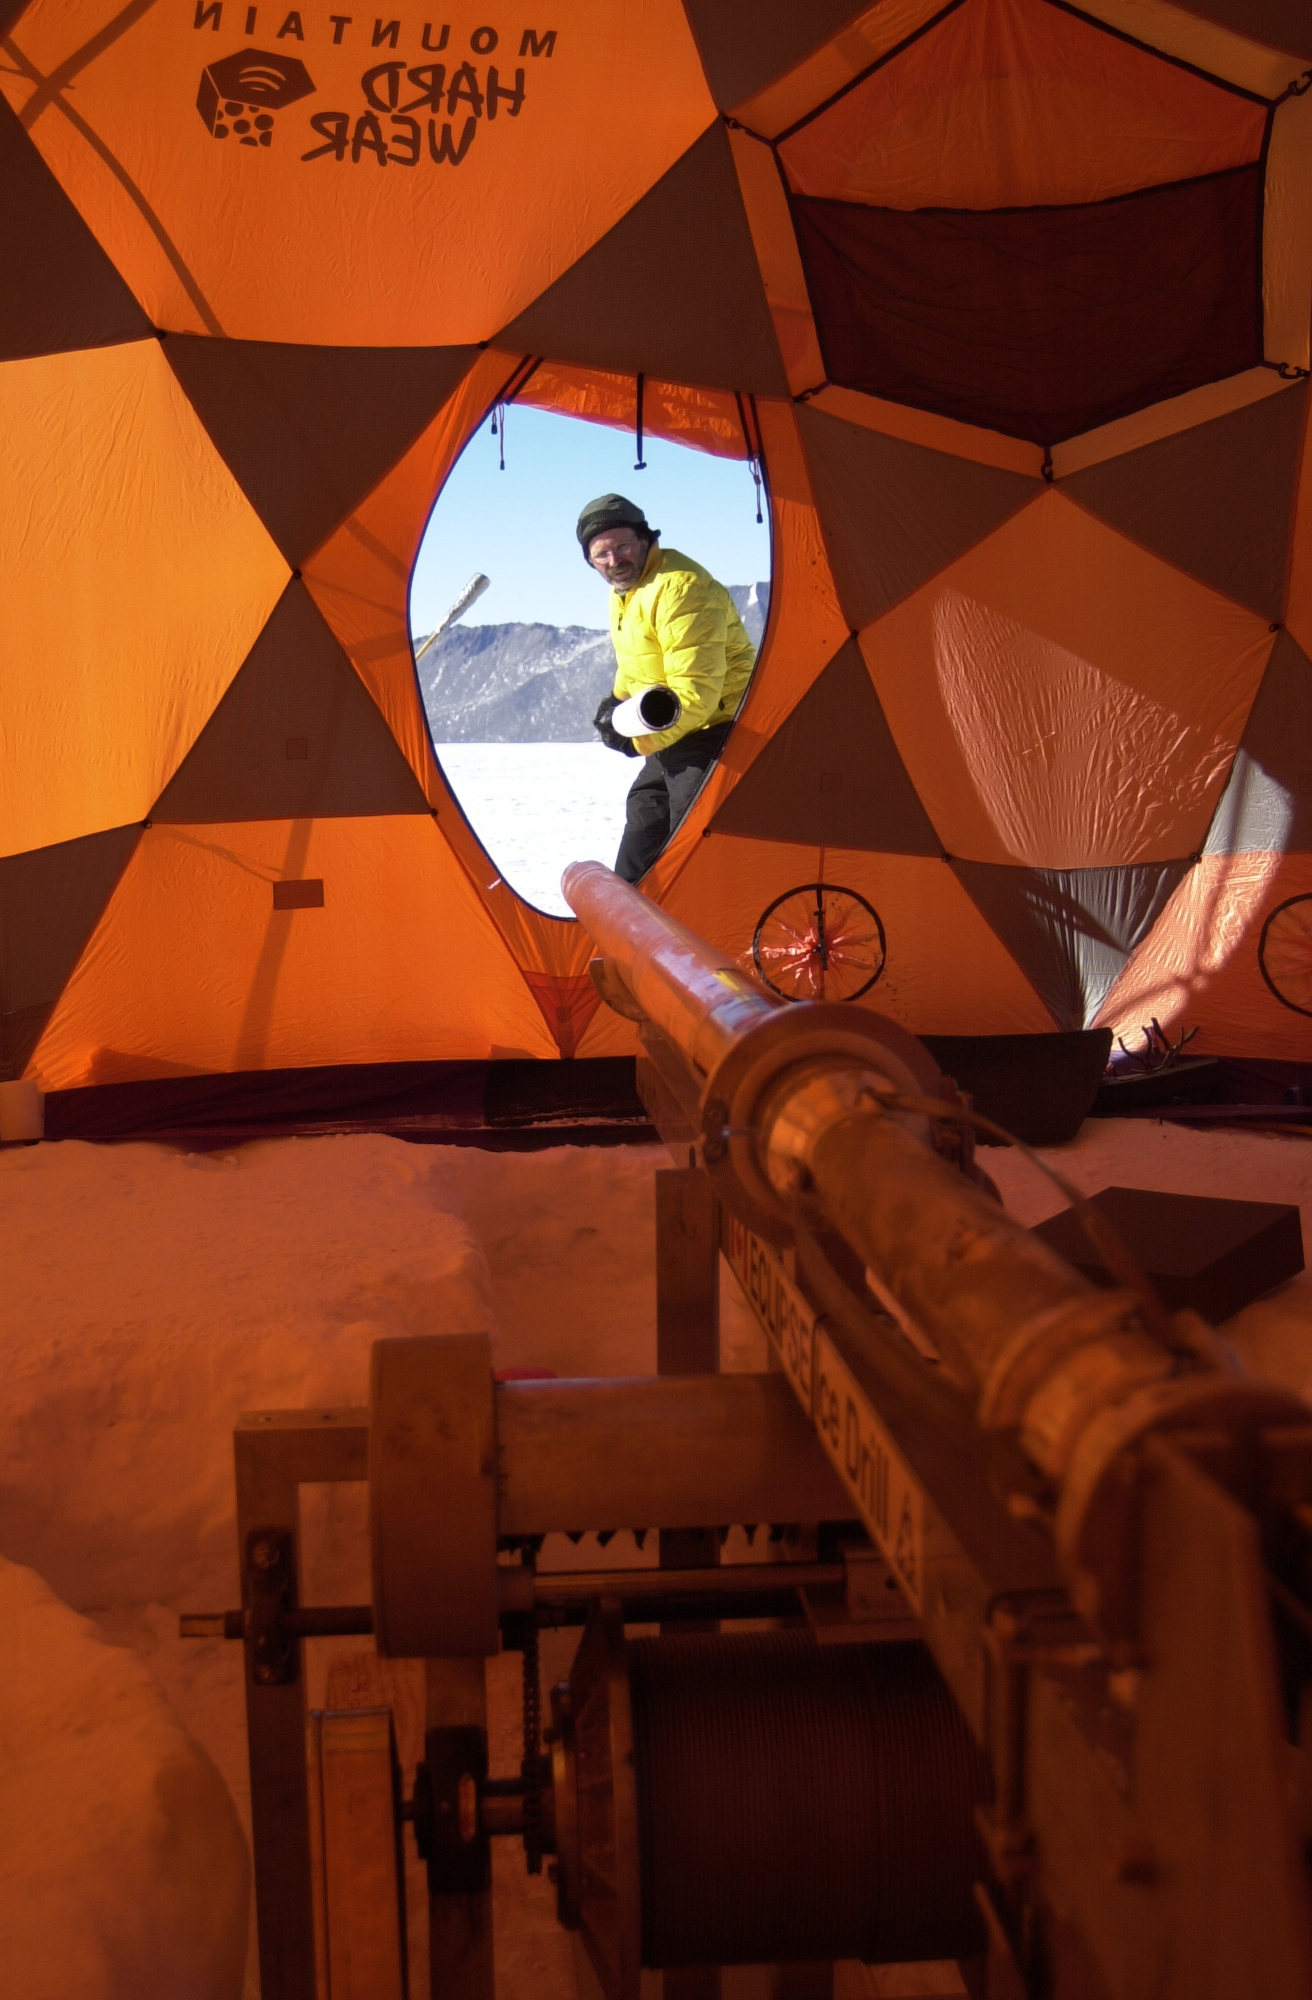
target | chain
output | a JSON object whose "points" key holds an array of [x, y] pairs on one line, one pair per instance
{"points": [[531, 1769]]}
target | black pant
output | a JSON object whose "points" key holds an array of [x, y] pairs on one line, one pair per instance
{"points": [[661, 794]]}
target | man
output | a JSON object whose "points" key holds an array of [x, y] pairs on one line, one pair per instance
{"points": [[673, 626]]}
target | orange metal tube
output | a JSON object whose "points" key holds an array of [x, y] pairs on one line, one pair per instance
{"points": [[687, 989]]}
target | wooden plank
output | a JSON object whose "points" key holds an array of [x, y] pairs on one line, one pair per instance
{"points": [[275, 1738], [670, 1093], [307, 1446], [687, 1273], [363, 1894], [659, 1452], [460, 1954]]}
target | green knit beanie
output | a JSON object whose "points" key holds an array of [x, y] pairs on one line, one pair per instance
{"points": [[612, 510]]}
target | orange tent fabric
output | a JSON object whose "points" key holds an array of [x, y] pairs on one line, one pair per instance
{"points": [[1012, 302]]}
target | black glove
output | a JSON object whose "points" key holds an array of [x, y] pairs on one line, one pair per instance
{"points": [[609, 735]]}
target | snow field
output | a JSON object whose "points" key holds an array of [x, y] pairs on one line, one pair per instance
{"points": [[538, 806]]}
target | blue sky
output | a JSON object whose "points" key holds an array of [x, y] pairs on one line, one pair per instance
{"points": [[518, 525]]}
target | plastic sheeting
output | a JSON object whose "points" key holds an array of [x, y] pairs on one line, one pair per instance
{"points": [[1200, 966]]}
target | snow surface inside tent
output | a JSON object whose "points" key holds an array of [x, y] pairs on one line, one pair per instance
{"points": [[151, 1294], [123, 1866]]}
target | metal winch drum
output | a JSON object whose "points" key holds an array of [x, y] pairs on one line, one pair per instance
{"points": [[740, 1798]]}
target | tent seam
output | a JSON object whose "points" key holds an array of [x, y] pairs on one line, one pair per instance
{"points": [[889, 55], [1168, 562], [1163, 55]]}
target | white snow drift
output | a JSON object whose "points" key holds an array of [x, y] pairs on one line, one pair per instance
{"points": [[124, 1870]]}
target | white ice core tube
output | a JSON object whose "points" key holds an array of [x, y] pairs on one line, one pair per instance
{"points": [[647, 713]]}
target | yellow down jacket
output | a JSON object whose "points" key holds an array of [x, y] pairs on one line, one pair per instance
{"points": [[679, 628]]}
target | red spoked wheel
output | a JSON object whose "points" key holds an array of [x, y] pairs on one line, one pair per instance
{"points": [[1284, 953], [819, 942]]}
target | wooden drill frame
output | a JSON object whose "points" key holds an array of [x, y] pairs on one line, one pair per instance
{"points": [[1140, 1835], [279, 1451]]}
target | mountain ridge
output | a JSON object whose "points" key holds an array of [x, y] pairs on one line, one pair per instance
{"points": [[533, 683]]}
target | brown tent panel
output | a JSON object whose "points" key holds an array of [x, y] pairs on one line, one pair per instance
{"points": [[60, 290], [831, 774], [309, 430], [50, 902], [1071, 929], [1266, 807], [895, 513], [1282, 24], [746, 44], [1216, 499], [296, 736], [686, 242]]}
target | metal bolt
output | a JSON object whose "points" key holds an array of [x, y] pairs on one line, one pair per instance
{"points": [[715, 1117]]}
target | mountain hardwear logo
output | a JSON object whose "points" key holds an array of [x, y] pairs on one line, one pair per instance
{"points": [[239, 94]]}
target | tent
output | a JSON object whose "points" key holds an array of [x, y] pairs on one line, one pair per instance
{"points": [[1008, 299]]}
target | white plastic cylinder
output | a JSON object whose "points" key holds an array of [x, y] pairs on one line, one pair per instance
{"points": [[22, 1112], [647, 713]]}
